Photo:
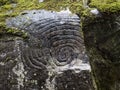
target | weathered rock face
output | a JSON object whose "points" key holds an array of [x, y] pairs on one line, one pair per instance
{"points": [[15, 75], [103, 46], [70, 80], [53, 56]]}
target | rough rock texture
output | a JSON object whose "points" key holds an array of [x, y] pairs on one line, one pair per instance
{"points": [[74, 81], [53, 57], [103, 45], [14, 74]]}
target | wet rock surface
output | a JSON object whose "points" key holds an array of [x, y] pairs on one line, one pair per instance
{"points": [[53, 57]]}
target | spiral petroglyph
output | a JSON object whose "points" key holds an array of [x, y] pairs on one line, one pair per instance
{"points": [[57, 33], [51, 57]]}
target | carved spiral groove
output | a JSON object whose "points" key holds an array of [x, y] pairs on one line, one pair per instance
{"points": [[59, 35], [64, 40]]}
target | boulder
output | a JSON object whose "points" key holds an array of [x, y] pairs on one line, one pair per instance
{"points": [[101, 36], [52, 57]]}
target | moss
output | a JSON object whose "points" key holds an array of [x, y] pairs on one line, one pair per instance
{"points": [[106, 6], [13, 31], [3, 2], [8, 10], [11, 8]]}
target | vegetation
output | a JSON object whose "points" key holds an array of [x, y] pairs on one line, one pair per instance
{"points": [[107, 6], [11, 8]]}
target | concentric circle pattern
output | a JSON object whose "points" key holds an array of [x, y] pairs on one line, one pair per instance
{"points": [[55, 35]]}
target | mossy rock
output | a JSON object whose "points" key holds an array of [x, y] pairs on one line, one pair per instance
{"points": [[106, 6], [12, 8]]}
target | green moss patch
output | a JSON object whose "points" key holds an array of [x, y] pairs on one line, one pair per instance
{"points": [[13, 31], [107, 6], [12, 8]]}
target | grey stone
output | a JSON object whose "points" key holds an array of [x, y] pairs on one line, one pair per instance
{"points": [[53, 57]]}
